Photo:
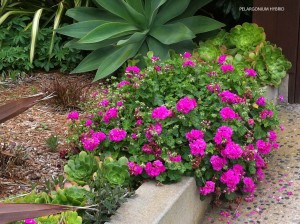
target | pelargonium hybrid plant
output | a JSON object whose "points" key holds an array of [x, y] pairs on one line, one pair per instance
{"points": [[184, 117]]}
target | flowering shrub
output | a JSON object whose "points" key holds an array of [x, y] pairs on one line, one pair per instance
{"points": [[207, 119]]}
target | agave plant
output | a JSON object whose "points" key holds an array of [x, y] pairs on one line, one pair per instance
{"points": [[41, 10], [121, 29]]}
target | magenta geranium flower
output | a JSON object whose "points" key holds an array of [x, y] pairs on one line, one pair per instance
{"points": [[227, 68], [155, 169], [123, 83], [218, 162], [175, 159], [188, 63], [133, 69], [223, 133], [198, 147], [208, 188], [194, 134], [186, 104], [232, 151], [228, 114], [161, 113], [91, 140], [117, 135], [231, 179], [261, 101], [250, 72], [73, 115], [222, 59], [187, 55], [134, 168], [249, 185]]}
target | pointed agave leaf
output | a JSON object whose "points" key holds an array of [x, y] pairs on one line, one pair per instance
{"points": [[113, 61], [34, 32], [89, 13], [17, 212], [151, 9], [80, 29], [93, 60], [200, 24], [193, 7], [172, 33], [94, 46], [136, 37], [57, 19], [118, 8], [136, 4], [107, 31], [170, 10], [158, 48], [14, 108], [135, 17]]}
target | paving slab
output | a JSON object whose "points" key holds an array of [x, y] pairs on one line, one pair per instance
{"points": [[277, 198]]}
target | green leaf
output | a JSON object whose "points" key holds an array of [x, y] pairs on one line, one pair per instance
{"points": [[80, 29], [158, 48], [230, 196], [34, 32], [90, 13], [136, 37], [93, 60], [121, 9], [200, 24], [151, 9], [57, 19], [114, 60], [193, 7], [170, 10], [172, 33], [107, 31], [136, 4]]}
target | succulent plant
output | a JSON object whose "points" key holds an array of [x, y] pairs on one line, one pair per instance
{"points": [[116, 172], [81, 167], [70, 196]]}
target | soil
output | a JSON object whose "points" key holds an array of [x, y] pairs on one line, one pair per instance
{"points": [[25, 159]]}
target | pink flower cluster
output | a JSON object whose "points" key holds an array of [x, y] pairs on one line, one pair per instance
{"points": [[222, 59], [229, 97], [153, 130], [109, 114], [250, 72], [228, 114], [194, 134], [188, 63], [134, 169], [231, 179], [266, 114], [208, 188], [196, 142], [73, 115], [175, 159], [261, 101], [133, 69], [187, 55], [213, 88], [123, 83], [117, 135], [223, 133], [249, 185], [217, 162], [263, 147], [232, 151], [161, 113], [155, 169], [91, 140], [186, 104], [227, 68], [103, 103], [30, 221], [154, 58]]}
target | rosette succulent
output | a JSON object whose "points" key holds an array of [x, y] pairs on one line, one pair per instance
{"points": [[116, 172], [70, 196], [80, 169], [121, 29], [247, 36]]}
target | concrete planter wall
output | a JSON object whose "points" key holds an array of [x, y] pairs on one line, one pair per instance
{"points": [[168, 204], [272, 93]]}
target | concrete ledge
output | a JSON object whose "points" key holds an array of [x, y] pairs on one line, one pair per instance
{"points": [[168, 204]]}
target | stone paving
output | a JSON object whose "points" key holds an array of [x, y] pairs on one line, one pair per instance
{"points": [[277, 198]]}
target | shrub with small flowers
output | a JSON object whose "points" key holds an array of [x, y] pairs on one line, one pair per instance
{"points": [[189, 117]]}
